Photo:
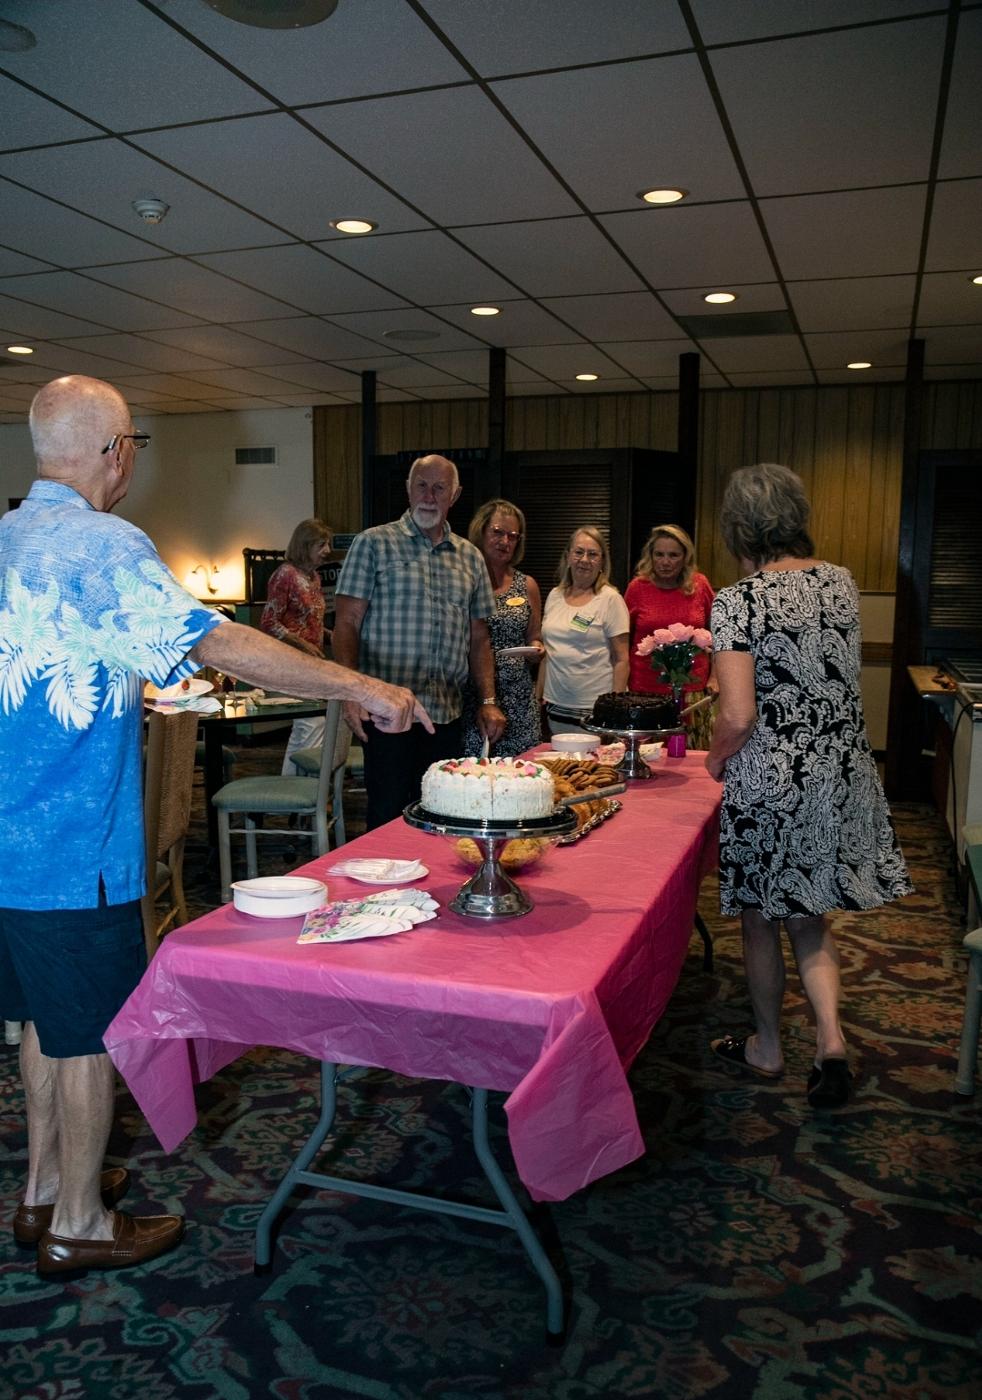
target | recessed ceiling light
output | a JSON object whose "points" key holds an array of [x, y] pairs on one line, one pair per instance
{"points": [[20, 350], [275, 14], [859, 364], [485, 310], [588, 378], [353, 225], [978, 280], [719, 298], [662, 196]]}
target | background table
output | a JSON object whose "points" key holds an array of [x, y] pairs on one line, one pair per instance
{"points": [[551, 1007]]}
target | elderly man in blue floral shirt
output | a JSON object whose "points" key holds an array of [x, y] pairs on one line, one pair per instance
{"points": [[87, 612]]}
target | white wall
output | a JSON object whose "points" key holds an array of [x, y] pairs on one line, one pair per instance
{"points": [[190, 498]]}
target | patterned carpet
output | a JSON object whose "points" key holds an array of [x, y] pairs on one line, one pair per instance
{"points": [[757, 1250]]}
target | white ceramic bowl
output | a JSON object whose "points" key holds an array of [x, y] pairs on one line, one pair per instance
{"points": [[278, 896], [573, 743]]}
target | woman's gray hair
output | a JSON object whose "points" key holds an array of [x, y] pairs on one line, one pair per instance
{"points": [[565, 573], [764, 514]]}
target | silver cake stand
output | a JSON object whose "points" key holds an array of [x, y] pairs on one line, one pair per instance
{"points": [[632, 766], [490, 893]]}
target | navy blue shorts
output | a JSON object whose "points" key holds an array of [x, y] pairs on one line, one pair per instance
{"points": [[69, 971]]}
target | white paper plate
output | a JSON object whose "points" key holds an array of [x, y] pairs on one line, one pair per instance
{"points": [[278, 896], [518, 651], [278, 886], [381, 872], [183, 690]]}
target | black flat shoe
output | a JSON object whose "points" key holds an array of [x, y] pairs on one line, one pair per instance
{"points": [[830, 1084], [733, 1050]]}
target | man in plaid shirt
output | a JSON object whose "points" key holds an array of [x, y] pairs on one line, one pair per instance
{"points": [[412, 605]]}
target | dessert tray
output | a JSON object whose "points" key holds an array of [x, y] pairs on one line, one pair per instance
{"points": [[606, 808], [490, 893], [632, 765]]}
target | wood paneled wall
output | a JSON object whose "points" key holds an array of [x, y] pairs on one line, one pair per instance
{"points": [[845, 441]]}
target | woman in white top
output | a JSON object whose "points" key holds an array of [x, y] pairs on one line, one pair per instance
{"points": [[585, 630]]}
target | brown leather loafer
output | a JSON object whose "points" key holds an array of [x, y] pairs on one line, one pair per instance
{"points": [[136, 1238], [31, 1222]]}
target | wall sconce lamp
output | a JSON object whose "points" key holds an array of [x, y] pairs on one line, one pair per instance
{"points": [[209, 572]]}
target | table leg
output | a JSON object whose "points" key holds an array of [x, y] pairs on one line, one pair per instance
{"points": [[512, 1216], [214, 775]]}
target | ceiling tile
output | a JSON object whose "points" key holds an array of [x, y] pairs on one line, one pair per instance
{"points": [[182, 284], [854, 303], [429, 267], [955, 222], [960, 148], [137, 351], [520, 323], [599, 386], [32, 223], [952, 345], [12, 264], [687, 245], [274, 166], [478, 170], [884, 349], [323, 378], [164, 386], [748, 379], [450, 391], [758, 352], [649, 357], [371, 46], [412, 374], [881, 374], [30, 120], [753, 296], [94, 302], [306, 278], [858, 233], [373, 323], [890, 70], [243, 381], [472, 365], [720, 24], [613, 131], [627, 316], [567, 361], [552, 258], [308, 335], [78, 42], [311, 398], [950, 298], [35, 322], [219, 343], [102, 178]]}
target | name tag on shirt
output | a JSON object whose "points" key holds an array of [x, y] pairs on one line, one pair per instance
{"points": [[579, 623]]}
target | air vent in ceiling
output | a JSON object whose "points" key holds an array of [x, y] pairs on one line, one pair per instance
{"points": [[744, 323], [255, 456]]}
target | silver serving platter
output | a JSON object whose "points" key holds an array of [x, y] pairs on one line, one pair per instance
{"points": [[632, 766], [490, 893], [609, 809]]}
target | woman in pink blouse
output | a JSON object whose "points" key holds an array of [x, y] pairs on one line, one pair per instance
{"points": [[294, 613], [668, 588]]}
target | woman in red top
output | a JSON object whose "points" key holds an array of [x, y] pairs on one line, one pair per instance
{"points": [[668, 588], [294, 613]]}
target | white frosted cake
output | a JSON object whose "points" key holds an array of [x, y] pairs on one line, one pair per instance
{"points": [[488, 789]]}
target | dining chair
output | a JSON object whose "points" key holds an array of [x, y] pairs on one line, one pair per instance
{"points": [[308, 762], [169, 776], [278, 796]]}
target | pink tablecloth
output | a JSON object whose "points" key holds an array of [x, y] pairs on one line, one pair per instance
{"points": [[552, 1007]]}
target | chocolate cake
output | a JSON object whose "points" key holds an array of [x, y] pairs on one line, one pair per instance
{"points": [[631, 709]]}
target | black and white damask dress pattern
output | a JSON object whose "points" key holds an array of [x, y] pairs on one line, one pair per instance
{"points": [[514, 682], [805, 826]]}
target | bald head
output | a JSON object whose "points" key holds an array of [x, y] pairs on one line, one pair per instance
{"points": [[72, 420]]}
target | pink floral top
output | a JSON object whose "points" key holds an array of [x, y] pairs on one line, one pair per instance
{"points": [[294, 606]]}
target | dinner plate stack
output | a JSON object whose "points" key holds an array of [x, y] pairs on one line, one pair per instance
{"points": [[278, 896]]}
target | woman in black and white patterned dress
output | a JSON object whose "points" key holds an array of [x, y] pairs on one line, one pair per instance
{"points": [[498, 530], [805, 827]]}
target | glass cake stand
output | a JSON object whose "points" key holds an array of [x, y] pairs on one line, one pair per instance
{"points": [[632, 766], [490, 893]]}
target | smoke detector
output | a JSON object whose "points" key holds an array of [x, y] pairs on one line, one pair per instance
{"points": [[151, 210]]}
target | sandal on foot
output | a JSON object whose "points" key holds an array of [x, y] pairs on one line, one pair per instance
{"points": [[733, 1050], [830, 1083]]}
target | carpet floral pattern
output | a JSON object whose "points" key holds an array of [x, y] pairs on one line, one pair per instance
{"points": [[757, 1250]]}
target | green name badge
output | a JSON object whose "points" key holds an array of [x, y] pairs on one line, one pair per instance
{"points": [[580, 623]]}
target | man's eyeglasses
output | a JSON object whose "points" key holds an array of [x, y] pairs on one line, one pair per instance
{"points": [[137, 439], [512, 536]]}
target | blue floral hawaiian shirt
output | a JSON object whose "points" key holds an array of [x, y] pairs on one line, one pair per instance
{"points": [[87, 611]]}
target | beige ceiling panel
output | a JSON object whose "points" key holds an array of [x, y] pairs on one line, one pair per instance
{"points": [[650, 358], [872, 125], [305, 278], [30, 120], [450, 391], [412, 374], [754, 296], [171, 386], [13, 264], [883, 349], [523, 36], [244, 381], [34, 224], [757, 352], [726, 23], [627, 316], [370, 46], [425, 267], [950, 298], [961, 148], [37, 322], [134, 350], [312, 398], [94, 302], [708, 379], [956, 227], [276, 167], [858, 233], [603, 385], [374, 324], [952, 345], [751, 379], [853, 303], [102, 178], [322, 378], [613, 131], [567, 361], [182, 284], [880, 374], [472, 365], [686, 245], [553, 258], [81, 59], [308, 335], [219, 343], [520, 323], [478, 170]]}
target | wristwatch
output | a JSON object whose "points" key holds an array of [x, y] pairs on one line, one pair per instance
{"points": [[489, 700]]}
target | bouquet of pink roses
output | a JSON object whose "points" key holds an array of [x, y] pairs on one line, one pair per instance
{"points": [[673, 649]]}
